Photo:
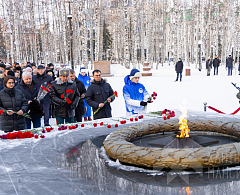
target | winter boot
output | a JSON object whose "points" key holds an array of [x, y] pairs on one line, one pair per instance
{"points": [[85, 118], [89, 118]]}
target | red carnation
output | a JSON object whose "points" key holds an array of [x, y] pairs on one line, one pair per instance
{"points": [[131, 119], [69, 127], [173, 112], [62, 96], [173, 115], [116, 125], [49, 85], [101, 123], [164, 117], [169, 116], [42, 136], [125, 121], [136, 119], [155, 94], [154, 98], [68, 101], [115, 93], [82, 125], [36, 136], [71, 91], [42, 87], [94, 124], [142, 116], [109, 126]]}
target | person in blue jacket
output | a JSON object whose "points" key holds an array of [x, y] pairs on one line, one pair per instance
{"points": [[86, 81], [134, 93]]}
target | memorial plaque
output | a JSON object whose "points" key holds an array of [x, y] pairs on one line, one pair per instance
{"points": [[104, 66]]}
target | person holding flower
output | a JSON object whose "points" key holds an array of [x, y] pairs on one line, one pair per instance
{"points": [[97, 93], [64, 93], [135, 95], [13, 104]]}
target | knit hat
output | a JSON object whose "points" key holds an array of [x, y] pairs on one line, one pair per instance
{"points": [[64, 72], [134, 73], [82, 69], [3, 65], [28, 68], [41, 67], [11, 73]]}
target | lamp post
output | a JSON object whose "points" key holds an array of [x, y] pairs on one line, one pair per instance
{"points": [[212, 51], [71, 35], [199, 54]]}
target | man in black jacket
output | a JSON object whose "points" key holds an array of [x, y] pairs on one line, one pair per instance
{"points": [[97, 93], [30, 89], [216, 63], [179, 69], [80, 110], [229, 64], [66, 102], [45, 79]]}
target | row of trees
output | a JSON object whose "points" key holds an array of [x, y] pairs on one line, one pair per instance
{"points": [[126, 31]]}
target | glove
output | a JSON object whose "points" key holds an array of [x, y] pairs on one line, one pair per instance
{"points": [[142, 103]]}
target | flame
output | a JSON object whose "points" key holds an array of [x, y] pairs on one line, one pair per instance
{"points": [[183, 124], [187, 190]]}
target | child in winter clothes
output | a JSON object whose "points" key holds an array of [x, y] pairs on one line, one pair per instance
{"points": [[134, 93]]}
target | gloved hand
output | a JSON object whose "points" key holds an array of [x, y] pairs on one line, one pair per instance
{"points": [[62, 103], [142, 103]]}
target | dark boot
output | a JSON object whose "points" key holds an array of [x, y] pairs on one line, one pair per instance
{"points": [[89, 118], [85, 118]]}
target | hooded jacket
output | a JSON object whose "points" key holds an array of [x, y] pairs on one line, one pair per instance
{"points": [[12, 99], [97, 93], [85, 79], [63, 109], [133, 94]]}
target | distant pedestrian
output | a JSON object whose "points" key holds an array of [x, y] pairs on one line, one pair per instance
{"points": [[179, 69], [97, 93], [86, 81], [229, 65], [216, 63], [208, 66]]}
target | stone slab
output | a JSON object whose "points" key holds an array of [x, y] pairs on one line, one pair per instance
{"points": [[104, 66]]}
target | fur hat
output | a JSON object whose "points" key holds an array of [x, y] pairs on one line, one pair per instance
{"points": [[64, 72], [134, 73]]}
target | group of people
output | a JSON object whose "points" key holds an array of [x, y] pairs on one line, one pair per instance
{"points": [[71, 98]]}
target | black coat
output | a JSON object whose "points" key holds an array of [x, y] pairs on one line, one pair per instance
{"points": [[216, 62], [80, 110], [30, 95], [229, 62], [208, 64], [43, 79], [12, 100], [97, 93], [63, 109], [179, 67]]}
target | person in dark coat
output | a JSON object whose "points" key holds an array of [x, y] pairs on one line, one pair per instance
{"points": [[65, 111], [229, 65], [45, 79], [97, 93], [216, 63], [208, 66], [30, 90], [14, 104], [1, 79], [80, 110], [179, 69]]}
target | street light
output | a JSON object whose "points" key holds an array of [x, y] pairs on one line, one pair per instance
{"points": [[200, 61], [212, 51], [69, 17]]}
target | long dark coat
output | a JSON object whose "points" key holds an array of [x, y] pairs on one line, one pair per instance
{"points": [[179, 67], [30, 95], [80, 110], [63, 109], [41, 79], [216, 62], [97, 93], [12, 100]]}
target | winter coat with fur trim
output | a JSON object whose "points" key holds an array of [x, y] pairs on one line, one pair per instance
{"points": [[97, 93], [12, 100], [63, 109]]}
